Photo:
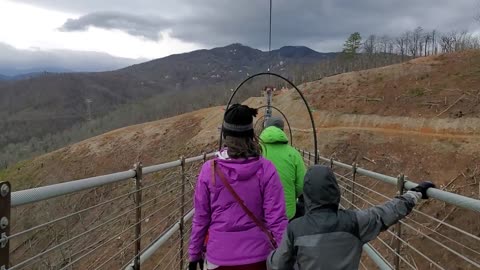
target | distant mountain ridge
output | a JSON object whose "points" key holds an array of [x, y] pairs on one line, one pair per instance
{"points": [[30, 75], [36, 106], [234, 58]]}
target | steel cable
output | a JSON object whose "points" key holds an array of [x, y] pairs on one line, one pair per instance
{"points": [[417, 211], [427, 236], [130, 227], [82, 234], [407, 244]]}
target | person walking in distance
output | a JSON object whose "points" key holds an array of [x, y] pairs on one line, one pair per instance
{"points": [[287, 160], [238, 201]]}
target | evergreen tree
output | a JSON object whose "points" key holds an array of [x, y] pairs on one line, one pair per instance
{"points": [[352, 45]]}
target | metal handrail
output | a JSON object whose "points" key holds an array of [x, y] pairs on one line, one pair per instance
{"points": [[37, 194], [46, 192], [444, 196], [154, 246]]}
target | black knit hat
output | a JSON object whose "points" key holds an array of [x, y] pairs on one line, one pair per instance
{"points": [[238, 121]]}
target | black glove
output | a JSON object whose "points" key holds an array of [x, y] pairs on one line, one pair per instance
{"points": [[193, 265], [422, 188]]}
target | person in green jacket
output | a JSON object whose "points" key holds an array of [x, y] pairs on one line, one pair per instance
{"points": [[287, 160]]}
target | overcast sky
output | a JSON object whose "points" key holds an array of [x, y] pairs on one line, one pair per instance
{"points": [[149, 29]]}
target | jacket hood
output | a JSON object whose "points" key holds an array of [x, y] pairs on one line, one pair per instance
{"points": [[273, 135], [320, 188], [240, 169]]}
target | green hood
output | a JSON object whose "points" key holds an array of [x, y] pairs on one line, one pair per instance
{"points": [[273, 135]]}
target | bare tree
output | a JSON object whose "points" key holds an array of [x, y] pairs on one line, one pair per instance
{"points": [[402, 43], [415, 44], [370, 44], [384, 43], [447, 42], [427, 38]]}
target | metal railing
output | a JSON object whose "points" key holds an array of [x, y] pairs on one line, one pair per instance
{"points": [[153, 229], [455, 245], [164, 198]]}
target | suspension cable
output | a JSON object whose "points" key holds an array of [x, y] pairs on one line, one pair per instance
{"points": [[82, 234], [425, 235], [270, 39], [415, 210], [166, 255], [423, 225], [421, 213], [78, 212], [405, 243], [133, 225], [134, 241]]}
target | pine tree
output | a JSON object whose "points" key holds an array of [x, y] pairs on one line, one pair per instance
{"points": [[352, 45]]}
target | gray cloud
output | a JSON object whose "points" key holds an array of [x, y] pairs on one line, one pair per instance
{"points": [[14, 61], [147, 27], [320, 24]]}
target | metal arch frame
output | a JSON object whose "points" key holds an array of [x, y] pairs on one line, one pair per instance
{"points": [[260, 118], [292, 85], [284, 117]]}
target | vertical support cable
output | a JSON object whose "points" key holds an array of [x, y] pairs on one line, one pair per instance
{"points": [[138, 214], [268, 108], [398, 227], [182, 213], [270, 39], [5, 206], [270, 30], [269, 50], [354, 175]]}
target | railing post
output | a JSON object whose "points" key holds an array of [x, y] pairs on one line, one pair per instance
{"points": [[400, 187], [354, 175], [204, 157], [182, 214], [138, 214], [331, 163], [5, 207], [309, 158]]}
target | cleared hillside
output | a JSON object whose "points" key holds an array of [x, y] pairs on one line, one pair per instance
{"points": [[391, 136], [437, 86]]}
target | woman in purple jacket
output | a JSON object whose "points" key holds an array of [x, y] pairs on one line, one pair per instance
{"points": [[235, 240]]}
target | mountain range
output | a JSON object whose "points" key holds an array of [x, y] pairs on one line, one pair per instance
{"points": [[50, 103]]}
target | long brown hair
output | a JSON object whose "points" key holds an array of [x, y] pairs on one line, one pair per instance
{"points": [[243, 147]]}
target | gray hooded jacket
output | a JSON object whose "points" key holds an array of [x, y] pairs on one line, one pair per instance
{"points": [[331, 238]]}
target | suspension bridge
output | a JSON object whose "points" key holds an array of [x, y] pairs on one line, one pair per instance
{"points": [[144, 217]]}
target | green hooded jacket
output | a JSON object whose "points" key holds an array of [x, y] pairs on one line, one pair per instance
{"points": [[289, 164]]}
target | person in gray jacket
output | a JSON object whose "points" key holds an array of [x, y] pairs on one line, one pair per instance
{"points": [[330, 238]]}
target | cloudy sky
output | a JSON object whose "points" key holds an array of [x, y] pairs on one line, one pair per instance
{"points": [[51, 32]]}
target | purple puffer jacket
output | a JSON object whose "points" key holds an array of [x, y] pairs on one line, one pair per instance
{"points": [[234, 239]]}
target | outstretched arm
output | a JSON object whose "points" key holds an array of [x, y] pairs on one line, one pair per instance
{"points": [[374, 220]]}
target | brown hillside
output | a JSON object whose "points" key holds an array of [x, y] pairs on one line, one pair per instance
{"points": [[397, 134], [423, 87]]}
